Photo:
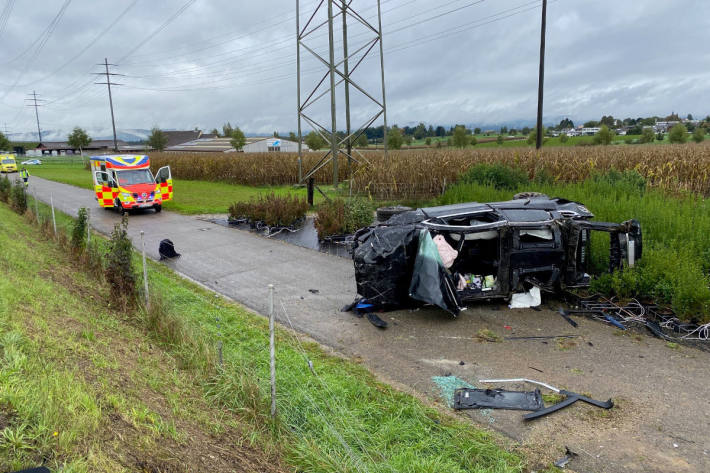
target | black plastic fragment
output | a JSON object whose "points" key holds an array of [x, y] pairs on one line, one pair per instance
{"points": [[571, 398], [166, 249], [376, 321], [655, 329], [467, 398], [564, 315]]}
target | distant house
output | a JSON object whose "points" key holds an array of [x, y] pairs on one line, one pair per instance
{"points": [[179, 137], [271, 145], [664, 126], [589, 130]]}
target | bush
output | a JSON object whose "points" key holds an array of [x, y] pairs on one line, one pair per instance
{"points": [[629, 181], [699, 135], [647, 135], [119, 265], [78, 234], [271, 210], [564, 138], [678, 134], [496, 175], [19, 197], [343, 217], [5, 189]]}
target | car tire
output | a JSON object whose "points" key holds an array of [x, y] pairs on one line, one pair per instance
{"points": [[119, 207], [158, 208], [384, 213], [528, 195]]}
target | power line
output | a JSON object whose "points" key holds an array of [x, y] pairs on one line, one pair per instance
{"points": [[5, 15]]}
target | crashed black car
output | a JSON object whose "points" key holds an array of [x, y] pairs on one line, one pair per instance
{"points": [[491, 250]]}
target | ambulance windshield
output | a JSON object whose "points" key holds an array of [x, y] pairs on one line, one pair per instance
{"points": [[8, 161], [135, 176]]}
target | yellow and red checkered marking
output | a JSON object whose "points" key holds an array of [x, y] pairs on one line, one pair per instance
{"points": [[105, 195]]}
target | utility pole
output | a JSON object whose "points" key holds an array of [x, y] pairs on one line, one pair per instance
{"points": [[108, 84], [346, 73], [541, 79], [34, 104], [355, 50]]}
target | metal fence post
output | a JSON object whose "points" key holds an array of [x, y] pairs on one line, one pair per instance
{"points": [[272, 351], [145, 273], [54, 220], [88, 226]]}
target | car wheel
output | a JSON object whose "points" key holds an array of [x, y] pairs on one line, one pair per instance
{"points": [[528, 195], [119, 207], [158, 208]]}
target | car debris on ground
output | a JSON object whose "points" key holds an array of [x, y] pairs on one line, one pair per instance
{"points": [[446, 256]]}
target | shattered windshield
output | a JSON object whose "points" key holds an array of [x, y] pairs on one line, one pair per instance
{"points": [[135, 176]]}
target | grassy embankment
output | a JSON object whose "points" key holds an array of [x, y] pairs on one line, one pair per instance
{"points": [[89, 387], [676, 234], [191, 197]]}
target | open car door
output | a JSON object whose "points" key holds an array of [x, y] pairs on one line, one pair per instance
{"points": [[105, 188], [165, 183]]}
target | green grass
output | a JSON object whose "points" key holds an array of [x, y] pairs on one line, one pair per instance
{"points": [[61, 363], [190, 197], [676, 236]]}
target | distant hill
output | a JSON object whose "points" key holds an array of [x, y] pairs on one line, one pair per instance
{"points": [[128, 135]]}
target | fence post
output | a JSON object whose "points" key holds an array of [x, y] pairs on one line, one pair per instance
{"points": [[54, 220], [145, 273], [88, 226], [272, 351], [34, 196]]}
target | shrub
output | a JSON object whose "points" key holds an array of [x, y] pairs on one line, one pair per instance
{"points": [[678, 134], [19, 197], [5, 189], [120, 273], [647, 135], [271, 210], [564, 138], [629, 181], [78, 234], [496, 175], [699, 135], [342, 217]]}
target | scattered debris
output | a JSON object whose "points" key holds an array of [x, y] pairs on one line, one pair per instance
{"points": [[376, 321], [567, 317], [313, 291], [542, 337], [467, 398], [167, 249], [525, 300], [536, 369], [461, 363], [570, 397], [562, 462]]}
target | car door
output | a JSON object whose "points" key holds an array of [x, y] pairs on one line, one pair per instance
{"points": [[165, 183], [105, 188]]}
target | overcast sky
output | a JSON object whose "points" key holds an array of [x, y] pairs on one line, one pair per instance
{"points": [[473, 62]]}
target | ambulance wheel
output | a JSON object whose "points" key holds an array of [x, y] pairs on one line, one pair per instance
{"points": [[158, 208], [119, 207]]}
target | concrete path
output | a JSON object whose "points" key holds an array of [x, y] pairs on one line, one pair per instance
{"points": [[662, 422]]}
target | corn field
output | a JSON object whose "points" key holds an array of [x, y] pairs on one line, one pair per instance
{"points": [[426, 173]]}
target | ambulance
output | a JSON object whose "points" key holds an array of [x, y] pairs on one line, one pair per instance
{"points": [[8, 163], [124, 182]]}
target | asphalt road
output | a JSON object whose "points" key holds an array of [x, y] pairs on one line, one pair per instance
{"points": [[662, 418]]}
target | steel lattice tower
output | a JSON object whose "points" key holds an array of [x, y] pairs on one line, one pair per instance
{"points": [[337, 73]]}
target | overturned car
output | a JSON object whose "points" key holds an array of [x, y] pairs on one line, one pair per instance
{"points": [[453, 254]]}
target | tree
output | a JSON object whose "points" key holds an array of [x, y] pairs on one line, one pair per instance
{"points": [[4, 142], [79, 139], [394, 138], [565, 124], [678, 134], [647, 135], [408, 140], [532, 136], [591, 124], [564, 138], [690, 116], [604, 136], [476, 131], [513, 131], [238, 139], [427, 141], [292, 136], [659, 136], [227, 130], [430, 131], [420, 131], [699, 135], [362, 141], [526, 130], [608, 121], [314, 141], [157, 139], [214, 132], [473, 140], [504, 130], [460, 137], [440, 131], [499, 140]]}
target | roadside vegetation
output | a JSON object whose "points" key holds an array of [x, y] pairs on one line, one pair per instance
{"points": [[271, 210], [675, 266], [93, 384], [343, 216]]}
